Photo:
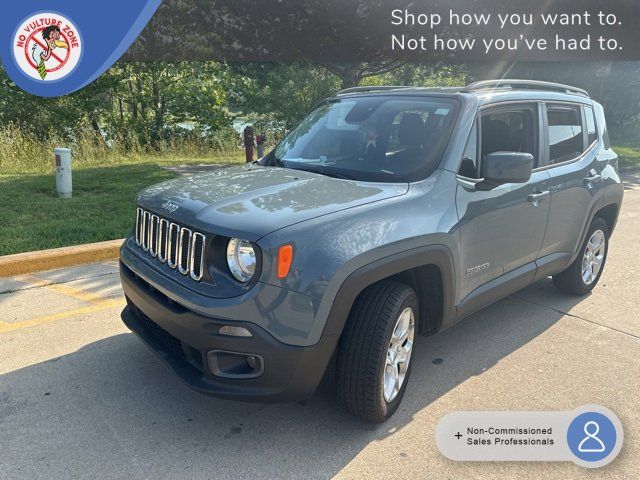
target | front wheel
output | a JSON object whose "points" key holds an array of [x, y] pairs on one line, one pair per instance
{"points": [[373, 362], [583, 274]]}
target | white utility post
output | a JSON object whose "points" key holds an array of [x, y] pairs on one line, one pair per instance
{"points": [[64, 185]]}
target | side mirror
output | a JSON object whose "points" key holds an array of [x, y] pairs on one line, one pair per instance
{"points": [[505, 167]]}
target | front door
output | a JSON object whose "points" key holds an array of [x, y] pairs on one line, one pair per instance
{"points": [[503, 229]]}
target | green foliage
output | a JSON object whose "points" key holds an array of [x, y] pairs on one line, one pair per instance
{"points": [[39, 117], [629, 156], [278, 96], [428, 75], [626, 144], [134, 103], [22, 153], [147, 98]]}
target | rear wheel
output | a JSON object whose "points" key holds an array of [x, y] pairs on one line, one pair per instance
{"points": [[373, 363], [583, 274]]}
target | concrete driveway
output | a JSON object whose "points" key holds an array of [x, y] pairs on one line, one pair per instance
{"points": [[81, 397]]}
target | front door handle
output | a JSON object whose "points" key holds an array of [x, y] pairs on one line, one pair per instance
{"points": [[592, 179], [535, 198]]}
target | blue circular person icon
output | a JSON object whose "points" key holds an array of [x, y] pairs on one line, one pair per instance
{"points": [[591, 436]]}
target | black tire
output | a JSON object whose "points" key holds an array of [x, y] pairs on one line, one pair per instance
{"points": [[362, 350], [570, 280]]}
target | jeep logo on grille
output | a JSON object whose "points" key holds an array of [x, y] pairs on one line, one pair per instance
{"points": [[170, 207]]}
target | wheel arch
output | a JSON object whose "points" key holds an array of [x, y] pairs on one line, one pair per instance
{"points": [[609, 214], [429, 270]]}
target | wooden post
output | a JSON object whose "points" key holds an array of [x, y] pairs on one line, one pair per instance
{"points": [[248, 143]]}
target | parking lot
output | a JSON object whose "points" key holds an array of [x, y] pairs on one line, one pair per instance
{"points": [[80, 396]]}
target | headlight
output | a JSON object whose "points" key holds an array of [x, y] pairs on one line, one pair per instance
{"points": [[241, 257]]}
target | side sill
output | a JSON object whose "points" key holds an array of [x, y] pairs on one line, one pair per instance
{"points": [[496, 289]]}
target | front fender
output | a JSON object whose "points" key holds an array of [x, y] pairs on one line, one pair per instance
{"points": [[339, 299]]}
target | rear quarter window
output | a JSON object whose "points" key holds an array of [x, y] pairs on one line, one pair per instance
{"points": [[592, 131], [602, 124]]}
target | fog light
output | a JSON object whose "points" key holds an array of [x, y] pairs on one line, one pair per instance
{"points": [[252, 362], [234, 331], [235, 364]]}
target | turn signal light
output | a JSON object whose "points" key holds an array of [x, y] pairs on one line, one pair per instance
{"points": [[285, 257]]}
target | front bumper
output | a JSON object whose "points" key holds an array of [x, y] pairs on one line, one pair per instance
{"points": [[183, 338]]}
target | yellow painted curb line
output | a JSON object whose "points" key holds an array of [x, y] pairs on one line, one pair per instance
{"points": [[29, 262], [34, 322]]}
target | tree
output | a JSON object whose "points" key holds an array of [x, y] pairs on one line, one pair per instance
{"points": [[352, 74], [437, 74], [280, 94], [39, 117], [141, 102], [148, 98]]}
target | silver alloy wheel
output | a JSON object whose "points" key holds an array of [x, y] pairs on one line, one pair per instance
{"points": [[593, 257], [398, 354]]}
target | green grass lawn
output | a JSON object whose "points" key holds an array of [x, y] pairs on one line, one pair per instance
{"points": [[629, 153], [32, 217]]}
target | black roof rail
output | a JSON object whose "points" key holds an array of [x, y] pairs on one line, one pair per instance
{"points": [[532, 84], [372, 88]]}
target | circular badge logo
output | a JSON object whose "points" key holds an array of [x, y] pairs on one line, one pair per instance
{"points": [[592, 436], [47, 46]]}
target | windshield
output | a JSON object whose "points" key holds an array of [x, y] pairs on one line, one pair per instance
{"points": [[372, 138]]}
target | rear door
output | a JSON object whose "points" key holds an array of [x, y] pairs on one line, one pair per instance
{"points": [[502, 229], [570, 158]]}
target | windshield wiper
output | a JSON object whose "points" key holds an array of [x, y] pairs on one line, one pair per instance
{"points": [[322, 171], [270, 160]]}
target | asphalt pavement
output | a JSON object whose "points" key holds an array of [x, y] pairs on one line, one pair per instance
{"points": [[82, 397]]}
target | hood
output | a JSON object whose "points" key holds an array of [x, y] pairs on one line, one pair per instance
{"points": [[251, 201]]}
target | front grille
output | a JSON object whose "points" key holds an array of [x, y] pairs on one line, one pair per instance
{"points": [[172, 248], [178, 247], [146, 225], [197, 249], [170, 342], [163, 232], [184, 250], [153, 235]]}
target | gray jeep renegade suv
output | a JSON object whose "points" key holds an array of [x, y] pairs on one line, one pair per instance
{"points": [[389, 212]]}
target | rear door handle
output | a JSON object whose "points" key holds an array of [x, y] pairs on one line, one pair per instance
{"points": [[593, 179], [535, 198]]}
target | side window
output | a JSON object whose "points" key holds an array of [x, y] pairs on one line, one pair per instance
{"points": [[469, 167], [601, 125], [565, 132], [592, 133], [510, 130], [606, 140]]}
